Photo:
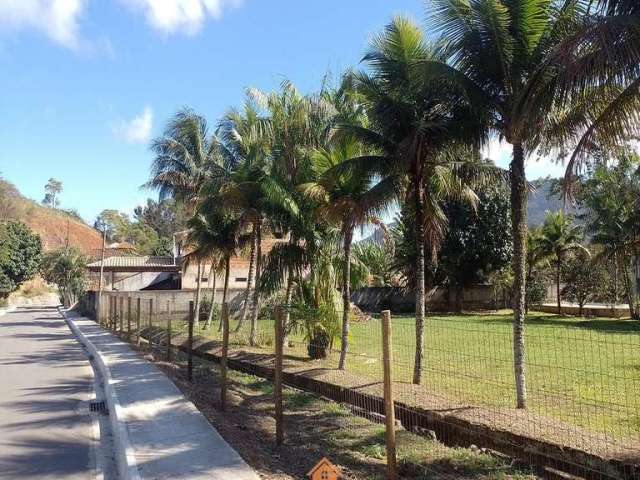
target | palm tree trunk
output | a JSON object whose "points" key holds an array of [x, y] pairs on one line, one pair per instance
{"points": [[558, 286], [519, 231], [287, 300], [227, 271], [420, 281], [247, 295], [196, 322], [212, 272], [346, 294], [628, 288], [255, 307]]}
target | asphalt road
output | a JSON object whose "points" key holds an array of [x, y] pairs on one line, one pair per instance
{"points": [[45, 384]]}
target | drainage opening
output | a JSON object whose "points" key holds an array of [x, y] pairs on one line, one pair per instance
{"points": [[98, 407]]}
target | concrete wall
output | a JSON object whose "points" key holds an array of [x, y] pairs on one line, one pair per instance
{"points": [[237, 279], [374, 299]]}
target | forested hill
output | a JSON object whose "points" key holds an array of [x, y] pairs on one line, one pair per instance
{"points": [[55, 227], [544, 199]]}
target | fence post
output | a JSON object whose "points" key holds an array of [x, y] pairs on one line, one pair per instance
{"points": [[150, 335], [113, 314], [225, 350], [277, 375], [138, 315], [168, 330], [129, 317], [389, 411], [121, 316], [109, 313], [190, 343]]}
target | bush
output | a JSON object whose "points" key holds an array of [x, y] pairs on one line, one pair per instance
{"points": [[20, 256]]}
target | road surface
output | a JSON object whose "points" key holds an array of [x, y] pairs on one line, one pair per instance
{"points": [[46, 381]]}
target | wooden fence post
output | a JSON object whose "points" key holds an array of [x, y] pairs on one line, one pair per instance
{"points": [[277, 375], [121, 316], [168, 330], [389, 410], [109, 313], [138, 315], [113, 313], [190, 342], [128, 317], [225, 351], [149, 336]]}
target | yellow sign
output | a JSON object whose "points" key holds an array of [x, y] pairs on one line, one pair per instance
{"points": [[324, 470]]}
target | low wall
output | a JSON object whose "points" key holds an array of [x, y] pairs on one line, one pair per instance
{"points": [[375, 299], [587, 311], [179, 299]]}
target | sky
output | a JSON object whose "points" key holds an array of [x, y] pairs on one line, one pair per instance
{"points": [[85, 84]]}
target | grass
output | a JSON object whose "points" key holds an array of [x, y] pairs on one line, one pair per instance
{"points": [[583, 372]]}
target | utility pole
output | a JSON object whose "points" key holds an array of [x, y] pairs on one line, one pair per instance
{"points": [[104, 241]]}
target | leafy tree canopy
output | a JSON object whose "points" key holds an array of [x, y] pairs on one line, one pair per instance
{"points": [[20, 255]]}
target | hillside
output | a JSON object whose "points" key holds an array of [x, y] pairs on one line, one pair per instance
{"points": [[55, 227]]}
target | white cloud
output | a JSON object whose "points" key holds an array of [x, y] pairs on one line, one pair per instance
{"points": [[180, 16], [536, 167], [137, 129], [57, 19]]}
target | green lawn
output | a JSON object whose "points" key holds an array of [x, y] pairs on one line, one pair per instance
{"points": [[584, 372]]}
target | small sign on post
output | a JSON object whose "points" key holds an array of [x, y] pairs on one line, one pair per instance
{"points": [[225, 351], [389, 410]]}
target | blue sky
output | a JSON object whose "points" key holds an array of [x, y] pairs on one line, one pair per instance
{"points": [[86, 83]]}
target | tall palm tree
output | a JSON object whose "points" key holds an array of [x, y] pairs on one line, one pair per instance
{"points": [[417, 130], [186, 157], [559, 237], [349, 201], [505, 56], [245, 140], [536, 256]]}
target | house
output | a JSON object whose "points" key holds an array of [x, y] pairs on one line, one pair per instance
{"points": [[324, 470], [130, 272]]}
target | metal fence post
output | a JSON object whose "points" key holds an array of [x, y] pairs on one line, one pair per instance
{"points": [[190, 342], [223, 360], [138, 315], [169, 330], [129, 317], [389, 411], [121, 316], [277, 375], [150, 334]]}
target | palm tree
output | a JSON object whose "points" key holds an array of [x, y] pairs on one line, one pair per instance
{"points": [[245, 141], [347, 200], [412, 121], [559, 237], [505, 56], [536, 256], [186, 157]]}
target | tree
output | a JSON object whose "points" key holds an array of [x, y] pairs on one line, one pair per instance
{"points": [[245, 139], [507, 58], [560, 237], [583, 279], [610, 196], [186, 157], [20, 256], [537, 261], [418, 131], [67, 269], [52, 189], [478, 242], [377, 260], [165, 217]]}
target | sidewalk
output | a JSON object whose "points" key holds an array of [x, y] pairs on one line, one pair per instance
{"points": [[160, 433]]}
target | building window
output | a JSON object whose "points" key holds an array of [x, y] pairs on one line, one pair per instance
{"points": [[203, 279], [241, 279]]}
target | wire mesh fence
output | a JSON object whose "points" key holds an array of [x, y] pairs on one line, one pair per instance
{"points": [[582, 377]]}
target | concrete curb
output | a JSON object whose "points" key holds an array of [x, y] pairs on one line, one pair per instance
{"points": [[125, 458], [9, 309]]}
